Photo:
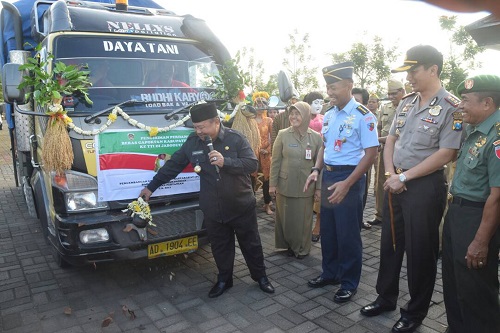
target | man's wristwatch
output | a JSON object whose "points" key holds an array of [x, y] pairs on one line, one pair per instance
{"points": [[402, 177], [315, 169]]}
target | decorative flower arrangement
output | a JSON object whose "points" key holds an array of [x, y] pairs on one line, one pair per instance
{"points": [[153, 131], [46, 89], [230, 82], [140, 208]]}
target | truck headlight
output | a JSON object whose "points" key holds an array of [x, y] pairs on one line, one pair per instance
{"points": [[77, 201], [75, 192], [94, 236]]}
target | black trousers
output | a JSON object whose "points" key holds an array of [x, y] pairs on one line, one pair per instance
{"points": [[222, 237], [417, 215], [470, 295]]}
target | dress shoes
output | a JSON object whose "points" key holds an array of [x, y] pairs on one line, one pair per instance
{"points": [[315, 238], [320, 282], [405, 325], [219, 288], [343, 295], [265, 285], [375, 308]]}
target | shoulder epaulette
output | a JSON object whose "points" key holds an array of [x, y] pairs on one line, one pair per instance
{"points": [[409, 95], [497, 126], [453, 100], [363, 109]]}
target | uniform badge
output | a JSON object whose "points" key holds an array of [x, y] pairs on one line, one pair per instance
{"points": [[480, 142], [496, 144], [197, 168], [371, 126], [453, 100], [435, 110], [429, 120], [434, 101], [468, 84], [226, 148], [398, 132], [457, 121]]}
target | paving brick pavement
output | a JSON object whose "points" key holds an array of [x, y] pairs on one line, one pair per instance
{"points": [[170, 294]]}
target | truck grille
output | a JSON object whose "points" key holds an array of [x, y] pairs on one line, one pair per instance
{"points": [[173, 224]]}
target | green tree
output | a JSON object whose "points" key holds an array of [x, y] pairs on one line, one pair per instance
{"points": [[372, 63], [272, 85], [298, 61], [461, 53], [254, 68]]}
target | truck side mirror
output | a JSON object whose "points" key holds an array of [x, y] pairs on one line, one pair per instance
{"points": [[11, 78]]}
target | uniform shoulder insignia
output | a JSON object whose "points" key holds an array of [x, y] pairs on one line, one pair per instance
{"points": [[497, 126], [453, 100], [363, 109], [409, 95]]}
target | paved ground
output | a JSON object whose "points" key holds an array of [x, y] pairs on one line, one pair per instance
{"points": [[170, 294]]}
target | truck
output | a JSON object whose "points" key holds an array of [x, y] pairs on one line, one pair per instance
{"points": [[129, 51]]}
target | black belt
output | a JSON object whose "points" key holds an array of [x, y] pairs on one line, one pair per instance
{"points": [[339, 167], [464, 202], [401, 170]]}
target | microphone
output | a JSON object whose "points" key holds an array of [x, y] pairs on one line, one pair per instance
{"points": [[210, 146]]}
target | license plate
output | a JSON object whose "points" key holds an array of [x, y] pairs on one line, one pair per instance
{"points": [[172, 247]]}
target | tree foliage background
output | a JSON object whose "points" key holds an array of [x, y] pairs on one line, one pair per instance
{"points": [[461, 53], [372, 63], [300, 63]]}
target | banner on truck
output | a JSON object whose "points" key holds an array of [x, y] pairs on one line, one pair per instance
{"points": [[127, 160]]}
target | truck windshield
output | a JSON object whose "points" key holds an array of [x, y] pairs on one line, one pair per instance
{"points": [[166, 74]]}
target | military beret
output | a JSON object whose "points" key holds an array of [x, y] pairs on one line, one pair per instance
{"points": [[374, 96], [479, 83], [394, 84], [338, 72], [203, 111], [420, 55]]}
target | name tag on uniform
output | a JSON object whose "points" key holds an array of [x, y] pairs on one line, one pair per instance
{"points": [[308, 154], [338, 145], [293, 145], [197, 152]]}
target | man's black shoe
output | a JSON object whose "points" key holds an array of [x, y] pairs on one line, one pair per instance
{"points": [[265, 285], [405, 325], [375, 308], [343, 295], [375, 222], [320, 282], [220, 288]]}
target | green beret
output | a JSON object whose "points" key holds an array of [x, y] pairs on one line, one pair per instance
{"points": [[479, 83]]}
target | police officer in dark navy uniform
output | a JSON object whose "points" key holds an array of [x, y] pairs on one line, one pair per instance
{"points": [[226, 195], [424, 136], [471, 237], [349, 149]]}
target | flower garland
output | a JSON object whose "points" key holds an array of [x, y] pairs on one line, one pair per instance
{"points": [[153, 131], [141, 208]]}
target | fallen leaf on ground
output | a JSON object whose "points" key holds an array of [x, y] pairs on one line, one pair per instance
{"points": [[67, 311], [106, 322]]}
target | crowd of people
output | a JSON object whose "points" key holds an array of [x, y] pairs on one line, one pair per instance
{"points": [[316, 157]]}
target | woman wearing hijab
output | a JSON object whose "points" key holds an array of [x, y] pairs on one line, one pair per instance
{"points": [[294, 154]]}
